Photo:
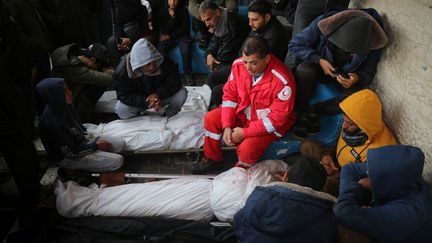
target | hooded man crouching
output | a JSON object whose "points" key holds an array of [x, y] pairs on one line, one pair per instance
{"points": [[145, 80]]}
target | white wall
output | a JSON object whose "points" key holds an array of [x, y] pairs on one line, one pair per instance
{"points": [[404, 78]]}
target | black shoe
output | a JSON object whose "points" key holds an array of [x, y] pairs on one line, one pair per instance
{"points": [[313, 125], [300, 133], [206, 165], [328, 107], [307, 123]]}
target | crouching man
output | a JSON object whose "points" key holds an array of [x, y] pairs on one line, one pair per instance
{"points": [[65, 138], [144, 80], [257, 108]]}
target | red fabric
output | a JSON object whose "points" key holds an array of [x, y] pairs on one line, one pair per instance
{"points": [[269, 93], [249, 151]]}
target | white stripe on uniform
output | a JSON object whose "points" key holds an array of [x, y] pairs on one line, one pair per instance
{"points": [[280, 76], [212, 135], [268, 125], [228, 103]]}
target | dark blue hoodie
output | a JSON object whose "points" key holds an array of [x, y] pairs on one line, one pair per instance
{"points": [[401, 209], [286, 212], [61, 131]]}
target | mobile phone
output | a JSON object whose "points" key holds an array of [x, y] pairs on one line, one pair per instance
{"points": [[339, 72], [344, 75]]}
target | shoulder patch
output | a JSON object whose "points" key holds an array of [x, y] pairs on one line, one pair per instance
{"points": [[285, 93]]}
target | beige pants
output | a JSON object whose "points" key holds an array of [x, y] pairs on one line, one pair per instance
{"points": [[313, 150]]}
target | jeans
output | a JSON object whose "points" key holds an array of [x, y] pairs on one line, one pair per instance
{"points": [[184, 44], [174, 103]]}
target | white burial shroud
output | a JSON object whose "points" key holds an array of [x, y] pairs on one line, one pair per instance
{"points": [[192, 199]]}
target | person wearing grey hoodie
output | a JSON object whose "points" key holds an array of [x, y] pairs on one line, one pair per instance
{"points": [[145, 79]]}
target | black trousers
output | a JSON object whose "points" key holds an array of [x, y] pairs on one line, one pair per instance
{"points": [[308, 75], [216, 80]]}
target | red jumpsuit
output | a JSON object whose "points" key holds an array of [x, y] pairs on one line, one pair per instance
{"points": [[265, 111]]}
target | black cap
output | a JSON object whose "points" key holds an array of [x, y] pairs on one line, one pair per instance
{"points": [[99, 51]]}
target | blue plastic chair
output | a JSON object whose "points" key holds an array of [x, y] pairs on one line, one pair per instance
{"points": [[328, 135]]}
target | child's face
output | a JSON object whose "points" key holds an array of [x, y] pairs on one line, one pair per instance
{"points": [[172, 3]]}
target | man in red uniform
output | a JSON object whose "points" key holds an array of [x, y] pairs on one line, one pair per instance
{"points": [[257, 108]]}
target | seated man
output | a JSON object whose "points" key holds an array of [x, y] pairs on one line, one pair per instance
{"points": [[174, 30], [145, 79], [339, 47], [198, 26], [363, 128], [257, 108], [305, 12], [263, 24], [401, 209], [291, 210], [65, 138], [131, 22], [229, 31], [85, 73]]}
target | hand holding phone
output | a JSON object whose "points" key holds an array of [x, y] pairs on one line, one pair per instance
{"points": [[337, 72]]}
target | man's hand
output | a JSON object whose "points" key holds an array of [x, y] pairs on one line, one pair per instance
{"points": [[330, 166], [227, 137], [104, 145], [279, 176], [238, 135], [109, 70], [211, 61], [365, 183], [171, 12], [124, 46], [164, 37], [347, 82], [153, 101], [327, 67]]}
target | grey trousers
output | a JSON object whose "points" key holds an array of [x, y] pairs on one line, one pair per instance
{"points": [[174, 103], [100, 161]]}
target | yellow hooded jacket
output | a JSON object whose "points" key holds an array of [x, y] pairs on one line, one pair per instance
{"points": [[364, 109]]}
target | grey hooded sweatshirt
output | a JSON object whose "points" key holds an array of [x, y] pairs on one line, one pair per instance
{"points": [[133, 86]]}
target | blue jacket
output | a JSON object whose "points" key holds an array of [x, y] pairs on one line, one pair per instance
{"points": [[401, 209], [285, 212], [312, 45], [61, 131]]}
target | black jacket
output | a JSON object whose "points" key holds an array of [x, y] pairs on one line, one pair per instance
{"points": [[226, 48], [276, 36], [131, 14], [134, 92], [174, 27], [61, 131], [284, 8]]}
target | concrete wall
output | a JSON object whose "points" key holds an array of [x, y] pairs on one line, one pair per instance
{"points": [[404, 79]]}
